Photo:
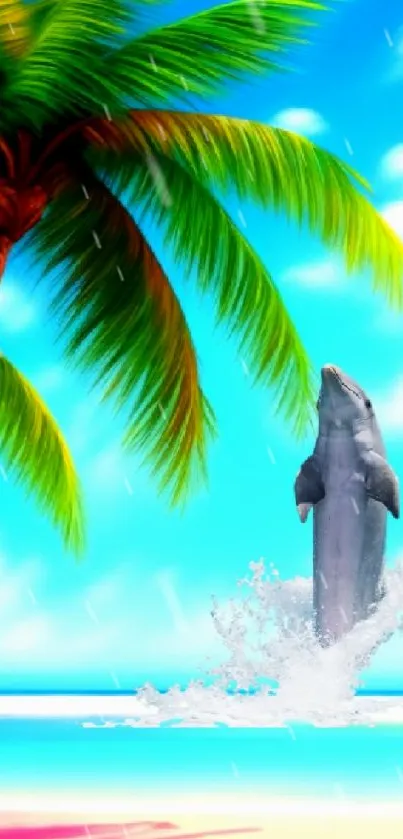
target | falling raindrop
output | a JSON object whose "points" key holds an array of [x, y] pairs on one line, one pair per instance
{"points": [[399, 774], [184, 83], [291, 732], [159, 180], [348, 146], [32, 596], [90, 612], [242, 218], [85, 191], [257, 19], [271, 455], [115, 679], [163, 413], [388, 37], [96, 240], [323, 580], [343, 614], [11, 27], [355, 506], [120, 273], [245, 367], [3, 473], [153, 64], [128, 486], [107, 112]]}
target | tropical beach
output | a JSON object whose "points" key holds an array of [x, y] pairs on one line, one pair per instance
{"points": [[153, 823], [201, 264]]}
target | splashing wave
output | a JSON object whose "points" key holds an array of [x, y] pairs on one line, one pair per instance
{"points": [[272, 653]]}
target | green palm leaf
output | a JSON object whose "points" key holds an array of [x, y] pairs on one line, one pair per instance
{"points": [[124, 323], [201, 52], [14, 27], [278, 169], [63, 72], [247, 300], [35, 452]]}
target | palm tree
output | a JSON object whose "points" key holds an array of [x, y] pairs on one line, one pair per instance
{"points": [[88, 128], [35, 452]]}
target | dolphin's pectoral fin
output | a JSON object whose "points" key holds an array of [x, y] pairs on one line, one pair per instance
{"points": [[308, 487], [381, 483], [303, 511]]}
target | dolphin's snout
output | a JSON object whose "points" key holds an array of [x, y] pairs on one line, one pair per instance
{"points": [[329, 374], [330, 368]]}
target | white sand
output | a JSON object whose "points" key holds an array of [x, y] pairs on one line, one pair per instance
{"points": [[293, 824], [241, 805]]}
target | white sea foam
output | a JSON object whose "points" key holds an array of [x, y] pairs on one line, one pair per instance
{"points": [[269, 645], [268, 636]]}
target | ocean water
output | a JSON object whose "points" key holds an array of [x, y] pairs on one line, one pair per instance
{"points": [[64, 758], [312, 738]]}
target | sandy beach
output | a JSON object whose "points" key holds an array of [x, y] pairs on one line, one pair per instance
{"points": [[185, 825], [162, 816]]}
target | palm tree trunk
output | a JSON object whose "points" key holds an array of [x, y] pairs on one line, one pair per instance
{"points": [[5, 245], [20, 210]]}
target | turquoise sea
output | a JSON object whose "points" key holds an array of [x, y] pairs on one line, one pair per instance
{"points": [[60, 755]]}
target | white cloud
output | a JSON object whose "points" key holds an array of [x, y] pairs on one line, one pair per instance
{"points": [[16, 586], [389, 408], [388, 322], [84, 426], [165, 583], [107, 469], [116, 622], [27, 635], [392, 163], [17, 313], [49, 378], [301, 120], [110, 471], [316, 275], [393, 214]]}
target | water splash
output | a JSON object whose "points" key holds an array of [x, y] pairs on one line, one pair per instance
{"points": [[274, 665], [269, 635]]}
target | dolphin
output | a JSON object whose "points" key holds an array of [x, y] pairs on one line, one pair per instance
{"points": [[351, 487]]}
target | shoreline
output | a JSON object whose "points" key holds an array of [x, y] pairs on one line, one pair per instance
{"points": [[48, 706]]}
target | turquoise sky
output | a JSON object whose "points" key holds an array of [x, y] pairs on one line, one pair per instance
{"points": [[138, 607]]}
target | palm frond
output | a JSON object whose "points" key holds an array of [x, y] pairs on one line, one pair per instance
{"points": [[62, 73], [123, 321], [14, 27], [201, 52], [204, 237], [35, 452], [278, 169]]}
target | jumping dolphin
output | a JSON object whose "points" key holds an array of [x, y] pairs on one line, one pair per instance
{"points": [[351, 487]]}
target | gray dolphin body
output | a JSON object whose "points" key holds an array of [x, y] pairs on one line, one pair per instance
{"points": [[351, 487]]}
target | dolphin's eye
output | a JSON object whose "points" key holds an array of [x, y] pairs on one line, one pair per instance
{"points": [[368, 403]]}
